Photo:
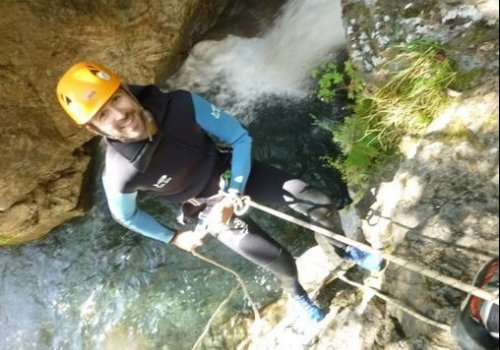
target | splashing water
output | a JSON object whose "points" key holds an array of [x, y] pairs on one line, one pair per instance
{"points": [[278, 63]]}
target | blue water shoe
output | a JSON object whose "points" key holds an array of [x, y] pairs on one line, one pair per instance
{"points": [[364, 259], [306, 305]]}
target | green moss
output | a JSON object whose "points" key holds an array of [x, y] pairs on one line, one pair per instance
{"points": [[357, 10], [458, 132], [491, 121], [467, 80], [421, 9], [481, 32], [361, 13]]}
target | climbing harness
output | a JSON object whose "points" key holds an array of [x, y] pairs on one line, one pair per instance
{"points": [[243, 204]]}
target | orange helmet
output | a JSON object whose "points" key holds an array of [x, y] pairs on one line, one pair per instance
{"points": [[85, 88]]}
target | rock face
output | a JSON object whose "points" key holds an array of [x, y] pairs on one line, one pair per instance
{"points": [[440, 209], [41, 159]]}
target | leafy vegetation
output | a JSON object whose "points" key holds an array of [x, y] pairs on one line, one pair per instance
{"points": [[412, 95]]}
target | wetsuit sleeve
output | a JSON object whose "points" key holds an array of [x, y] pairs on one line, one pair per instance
{"points": [[228, 129], [124, 209]]}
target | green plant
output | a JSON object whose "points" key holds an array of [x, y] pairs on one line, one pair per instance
{"points": [[334, 77], [330, 79], [416, 92], [412, 96]]}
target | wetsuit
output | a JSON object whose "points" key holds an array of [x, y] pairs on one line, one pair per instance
{"points": [[182, 163]]}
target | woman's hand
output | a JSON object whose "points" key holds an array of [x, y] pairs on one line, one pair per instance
{"points": [[188, 240]]}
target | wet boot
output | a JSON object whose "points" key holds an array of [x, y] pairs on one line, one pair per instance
{"points": [[367, 260], [307, 307]]}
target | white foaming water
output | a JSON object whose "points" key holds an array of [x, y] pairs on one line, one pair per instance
{"points": [[278, 63]]}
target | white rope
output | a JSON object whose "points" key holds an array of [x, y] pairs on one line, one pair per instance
{"points": [[397, 303], [242, 204], [238, 278], [212, 318]]}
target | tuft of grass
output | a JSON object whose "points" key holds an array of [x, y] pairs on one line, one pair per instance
{"points": [[413, 94]]}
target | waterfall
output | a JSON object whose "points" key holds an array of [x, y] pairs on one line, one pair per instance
{"points": [[239, 70]]}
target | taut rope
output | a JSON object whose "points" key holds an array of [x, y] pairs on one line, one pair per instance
{"points": [[242, 204]]}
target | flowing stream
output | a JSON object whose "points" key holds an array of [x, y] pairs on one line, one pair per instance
{"points": [[92, 284]]}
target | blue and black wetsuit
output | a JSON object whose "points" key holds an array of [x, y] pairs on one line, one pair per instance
{"points": [[182, 162]]}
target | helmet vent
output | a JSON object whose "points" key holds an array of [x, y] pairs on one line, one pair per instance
{"points": [[67, 100], [100, 74]]}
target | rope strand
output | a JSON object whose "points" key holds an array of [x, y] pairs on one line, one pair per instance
{"points": [[246, 203], [212, 318], [397, 303], [238, 278]]}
